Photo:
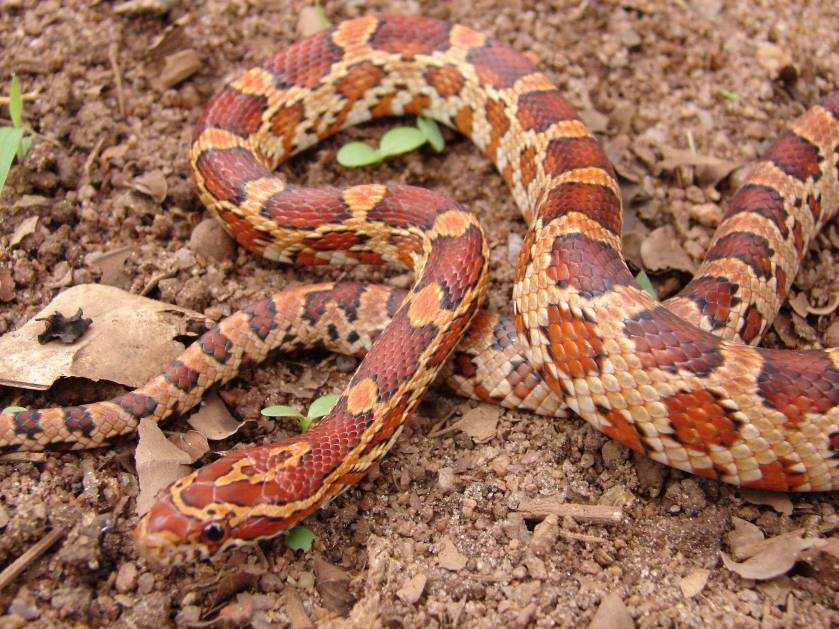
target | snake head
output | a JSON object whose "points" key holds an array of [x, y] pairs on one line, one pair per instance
{"points": [[247, 496]]}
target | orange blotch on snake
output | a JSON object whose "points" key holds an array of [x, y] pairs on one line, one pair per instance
{"points": [[620, 429], [425, 306], [358, 80], [284, 124], [700, 420], [453, 223], [573, 343], [363, 198], [463, 120], [499, 124], [362, 397], [446, 80]]}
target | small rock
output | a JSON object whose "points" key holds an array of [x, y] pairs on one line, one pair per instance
{"points": [[145, 583], [536, 567], [613, 454], [126, 578], [514, 243], [776, 61], [708, 214], [411, 592], [612, 614], [545, 535], [211, 241], [7, 285], [310, 21], [445, 479], [449, 557]]}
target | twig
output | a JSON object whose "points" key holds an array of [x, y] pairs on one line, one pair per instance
{"points": [[582, 537], [153, 282], [88, 163], [541, 507], [21, 563], [113, 49], [4, 100]]}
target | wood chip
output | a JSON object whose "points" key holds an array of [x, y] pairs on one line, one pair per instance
{"points": [[542, 506], [179, 66], [143, 7], [449, 557], [694, 582]]}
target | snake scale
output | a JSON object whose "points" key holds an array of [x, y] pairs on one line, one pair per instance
{"points": [[676, 381]]}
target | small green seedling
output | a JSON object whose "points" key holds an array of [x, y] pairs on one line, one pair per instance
{"points": [[728, 95], [396, 141], [300, 537], [12, 141], [645, 283], [317, 409], [13, 409], [324, 21]]}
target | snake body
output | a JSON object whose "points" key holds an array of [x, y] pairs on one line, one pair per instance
{"points": [[677, 381]]}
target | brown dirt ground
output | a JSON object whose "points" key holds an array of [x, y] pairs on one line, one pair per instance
{"points": [[653, 70]]}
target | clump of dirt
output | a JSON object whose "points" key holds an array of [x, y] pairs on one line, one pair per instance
{"points": [[437, 534]]}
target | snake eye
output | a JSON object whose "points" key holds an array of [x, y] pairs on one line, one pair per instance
{"points": [[213, 532]]}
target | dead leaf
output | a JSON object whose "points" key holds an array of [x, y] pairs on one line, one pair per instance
{"points": [[743, 537], [693, 582], [68, 330], [479, 423], [111, 265], [778, 501], [213, 420], [776, 557], [26, 227], [159, 463], [661, 251], [412, 591], [449, 557], [333, 584], [192, 442], [709, 170], [152, 184], [612, 614], [106, 352]]}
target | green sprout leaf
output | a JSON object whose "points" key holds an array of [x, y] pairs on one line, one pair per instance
{"points": [[9, 142], [15, 102], [645, 283], [355, 154], [13, 409], [732, 96], [324, 21], [281, 411], [432, 133], [322, 405], [299, 538], [401, 140]]}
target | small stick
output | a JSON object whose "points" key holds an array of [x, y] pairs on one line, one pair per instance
{"points": [[112, 57], [544, 506], [21, 563], [582, 537]]}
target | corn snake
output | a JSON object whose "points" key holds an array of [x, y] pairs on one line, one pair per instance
{"points": [[583, 333]]}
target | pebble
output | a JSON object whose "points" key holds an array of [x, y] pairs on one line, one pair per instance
{"points": [[209, 239], [126, 578], [544, 535]]}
